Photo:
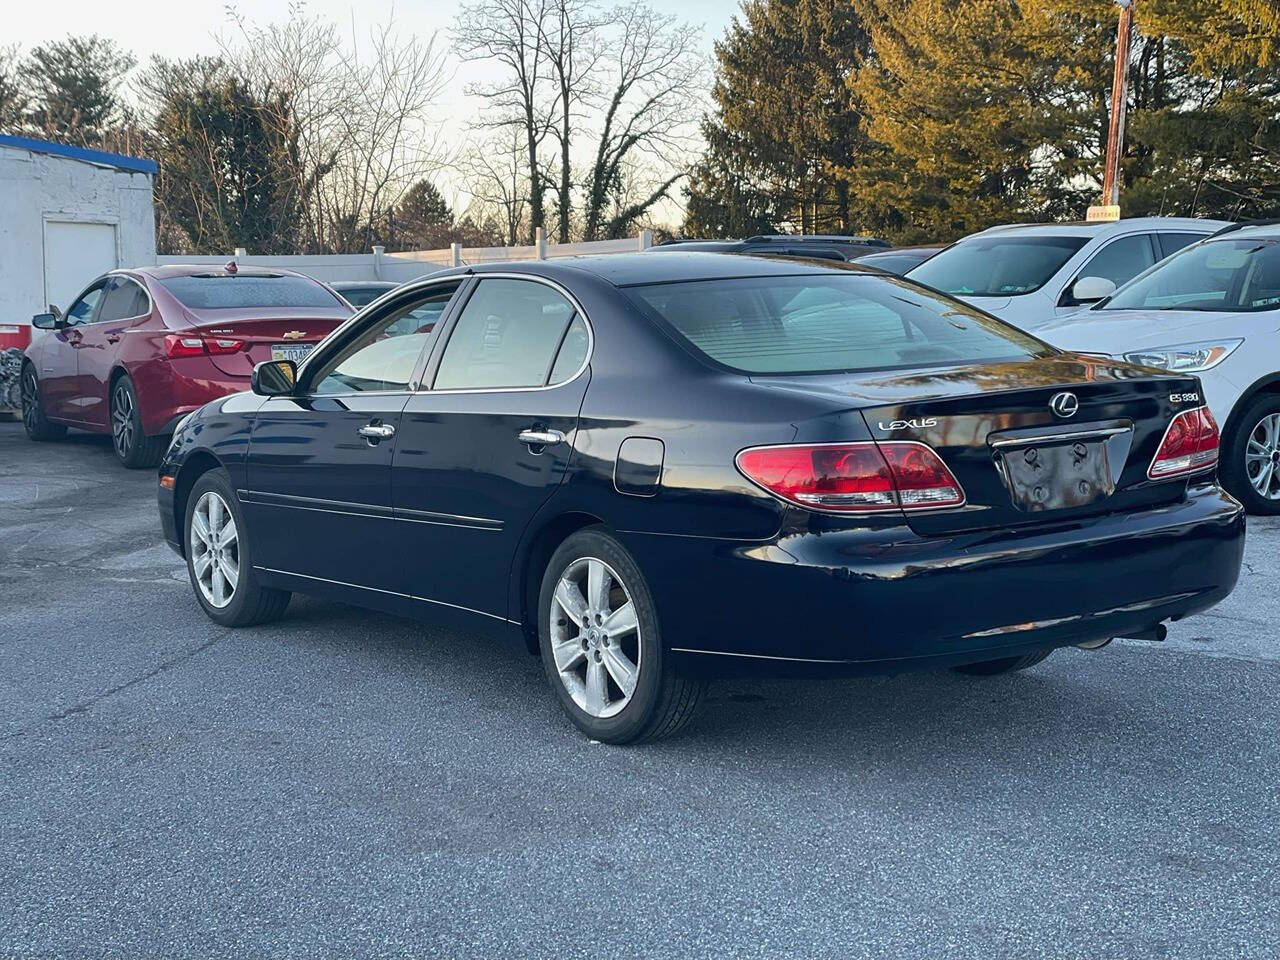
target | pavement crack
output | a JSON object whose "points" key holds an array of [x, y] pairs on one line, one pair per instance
{"points": [[85, 705]]}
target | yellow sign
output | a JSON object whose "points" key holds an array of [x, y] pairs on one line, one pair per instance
{"points": [[1107, 214]]}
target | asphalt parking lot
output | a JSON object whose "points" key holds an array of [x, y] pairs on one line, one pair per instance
{"points": [[349, 784]]}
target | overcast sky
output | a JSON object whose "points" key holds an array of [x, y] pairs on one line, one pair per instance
{"points": [[180, 29]]}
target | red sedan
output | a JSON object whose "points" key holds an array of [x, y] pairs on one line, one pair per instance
{"points": [[140, 349]]}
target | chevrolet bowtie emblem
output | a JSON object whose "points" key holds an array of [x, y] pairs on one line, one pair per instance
{"points": [[294, 334]]}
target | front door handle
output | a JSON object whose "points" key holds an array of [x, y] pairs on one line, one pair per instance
{"points": [[374, 432], [540, 438]]}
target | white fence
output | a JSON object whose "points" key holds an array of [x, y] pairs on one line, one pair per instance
{"points": [[401, 267]]}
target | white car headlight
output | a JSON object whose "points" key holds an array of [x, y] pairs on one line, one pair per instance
{"points": [[1185, 357]]}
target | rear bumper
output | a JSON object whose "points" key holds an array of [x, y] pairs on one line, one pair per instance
{"points": [[890, 600], [170, 389]]}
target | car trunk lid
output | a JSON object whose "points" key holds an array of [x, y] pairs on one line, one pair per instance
{"points": [[270, 333], [1022, 457]]}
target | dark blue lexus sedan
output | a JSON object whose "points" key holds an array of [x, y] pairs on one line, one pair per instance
{"points": [[653, 468]]}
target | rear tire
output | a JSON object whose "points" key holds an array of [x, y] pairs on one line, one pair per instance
{"points": [[1250, 458], [133, 448], [993, 668], [34, 421], [602, 647], [219, 557]]}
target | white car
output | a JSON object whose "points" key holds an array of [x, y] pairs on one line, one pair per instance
{"points": [[1212, 309], [1030, 274]]}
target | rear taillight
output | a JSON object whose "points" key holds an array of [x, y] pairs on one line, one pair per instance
{"points": [[222, 345], [1190, 444], [180, 346], [854, 477]]}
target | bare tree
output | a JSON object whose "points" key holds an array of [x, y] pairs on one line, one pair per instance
{"points": [[510, 32], [573, 49], [13, 97], [361, 129], [615, 88], [653, 76], [495, 180]]}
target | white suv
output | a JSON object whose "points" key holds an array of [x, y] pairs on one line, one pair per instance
{"points": [[1032, 273], [1212, 309]]}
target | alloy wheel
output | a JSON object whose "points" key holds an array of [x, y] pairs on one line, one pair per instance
{"points": [[215, 549], [122, 426], [595, 637], [1262, 457], [30, 401]]}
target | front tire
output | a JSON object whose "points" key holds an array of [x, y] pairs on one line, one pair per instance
{"points": [[219, 557], [34, 421], [133, 447], [1250, 466], [602, 646]]}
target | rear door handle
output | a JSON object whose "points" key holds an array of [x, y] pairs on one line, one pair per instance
{"points": [[113, 337], [374, 432], [540, 438]]}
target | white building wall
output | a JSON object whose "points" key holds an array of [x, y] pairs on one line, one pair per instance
{"points": [[37, 187]]}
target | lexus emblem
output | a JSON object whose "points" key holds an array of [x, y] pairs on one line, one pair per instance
{"points": [[1064, 404], [294, 334]]}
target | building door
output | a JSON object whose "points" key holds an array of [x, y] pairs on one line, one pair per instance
{"points": [[75, 253]]}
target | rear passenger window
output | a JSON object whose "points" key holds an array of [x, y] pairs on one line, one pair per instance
{"points": [[125, 299], [1121, 260], [508, 335]]}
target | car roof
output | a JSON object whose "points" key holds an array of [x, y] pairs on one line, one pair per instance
{"points": [[168, 271], [674, 266], [1082, 228]]}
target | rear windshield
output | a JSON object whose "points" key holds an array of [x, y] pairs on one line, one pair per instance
{"points": [[216, 292], [361, 296], [1235, 276], [997, 266], [828, 323]]}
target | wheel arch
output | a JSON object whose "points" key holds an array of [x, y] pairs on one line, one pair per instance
{"points": [[196, 465], [539, 544], [1270, 384]]}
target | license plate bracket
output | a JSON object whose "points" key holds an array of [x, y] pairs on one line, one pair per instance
{"points": [[1057, 475]]}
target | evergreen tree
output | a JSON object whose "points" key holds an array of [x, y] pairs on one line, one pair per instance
{"points": [[224, 178], [74, 87], [422, 220], [1205, 137], [784, 121], [976, 106]]}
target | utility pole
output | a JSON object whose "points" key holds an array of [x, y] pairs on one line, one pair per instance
{"points": [[1110, 209]]}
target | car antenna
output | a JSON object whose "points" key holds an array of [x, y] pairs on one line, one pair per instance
{"points": [[231, 267]]}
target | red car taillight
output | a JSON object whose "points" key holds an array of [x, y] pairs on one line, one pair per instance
{"points": [[180, 346], [1190, 444], [854, 477]]}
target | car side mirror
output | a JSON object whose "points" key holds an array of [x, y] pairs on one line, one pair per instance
{"points": [[46, 321], [274, 378], [1092, 289]]}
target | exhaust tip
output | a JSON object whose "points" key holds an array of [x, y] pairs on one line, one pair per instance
{"points": [[1094, 644]]}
